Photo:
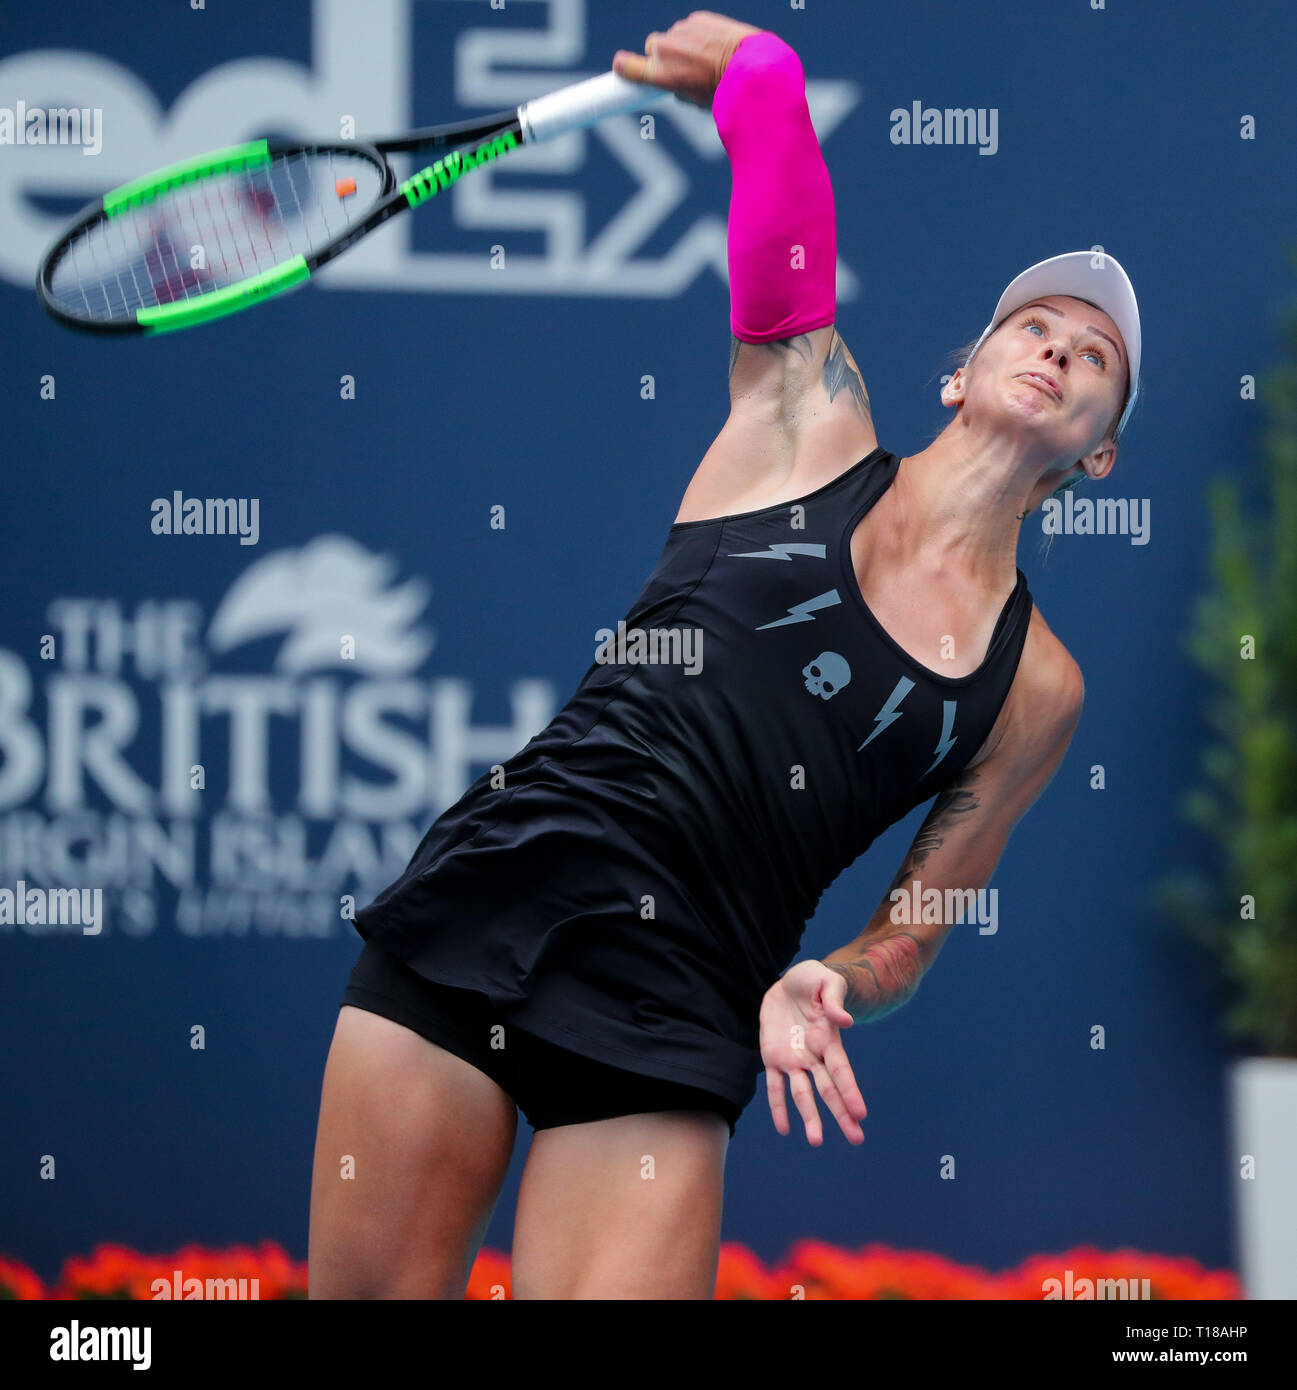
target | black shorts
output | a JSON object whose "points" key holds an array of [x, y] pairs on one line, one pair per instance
{"points": [[551, 1085]]}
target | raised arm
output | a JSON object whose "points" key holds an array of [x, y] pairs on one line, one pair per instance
{"points": [[961, 840], [797, 399]]}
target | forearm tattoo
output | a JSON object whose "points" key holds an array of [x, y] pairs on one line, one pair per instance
{"points": [[887, 973], [958, 799], [881, 979]]}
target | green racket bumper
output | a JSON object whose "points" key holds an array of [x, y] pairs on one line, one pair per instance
{"points": [[249, 156], [167, 317]]}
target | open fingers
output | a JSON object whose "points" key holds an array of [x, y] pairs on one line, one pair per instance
{"points": [[775, 1095], [838, 1068], [803, 1098], [836, 1085], [838, 1108]]}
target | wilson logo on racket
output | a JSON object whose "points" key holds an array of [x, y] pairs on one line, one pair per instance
{"points": [[210, 236], [445, 171]]}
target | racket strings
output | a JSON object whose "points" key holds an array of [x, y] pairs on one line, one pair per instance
{"points": [[245, 222]]}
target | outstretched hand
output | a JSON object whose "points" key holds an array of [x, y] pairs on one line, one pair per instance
{"points": [[800, 1018], [689, 59]]}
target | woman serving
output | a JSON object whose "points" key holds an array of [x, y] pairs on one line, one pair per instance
{"points": [[600, 931]]}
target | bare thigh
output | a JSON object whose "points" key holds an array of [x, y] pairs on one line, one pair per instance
{"points": [[411, 1152], [622, 1208]]}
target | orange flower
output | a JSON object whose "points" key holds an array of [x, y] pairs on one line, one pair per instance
{"points": [[878, 1272], [812, 1269], [110, 1271], [1168, 1276], [17, 1281], [741, 1275], [490, 1274], [281, 1277]]}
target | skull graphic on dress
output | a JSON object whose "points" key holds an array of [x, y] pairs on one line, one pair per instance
{"points": [[826, 675]]}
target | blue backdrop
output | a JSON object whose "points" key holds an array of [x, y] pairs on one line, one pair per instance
{"points": [[498, 345]]}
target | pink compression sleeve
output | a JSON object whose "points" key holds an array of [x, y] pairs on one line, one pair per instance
{"points": [[782, 199]]}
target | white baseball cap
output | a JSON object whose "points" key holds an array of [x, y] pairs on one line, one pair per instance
{"points": [[1091, 275]]}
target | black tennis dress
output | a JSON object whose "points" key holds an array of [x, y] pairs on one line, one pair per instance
{"points": [[646, 870]]}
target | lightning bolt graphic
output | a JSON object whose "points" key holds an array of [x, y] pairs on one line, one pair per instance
{"points": [[948, 708], [888, 714], [802, 612], [784, 550]]}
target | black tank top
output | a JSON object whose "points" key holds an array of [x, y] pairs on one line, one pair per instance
{"points": [[647, 868]]}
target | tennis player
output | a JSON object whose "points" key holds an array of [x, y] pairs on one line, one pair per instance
{"points": [[599, 933]]}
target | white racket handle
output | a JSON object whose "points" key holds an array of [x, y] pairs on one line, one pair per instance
{"points": [[584, 103]]}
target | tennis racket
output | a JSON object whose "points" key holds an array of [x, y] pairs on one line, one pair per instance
{"points": [[209, 236]]}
